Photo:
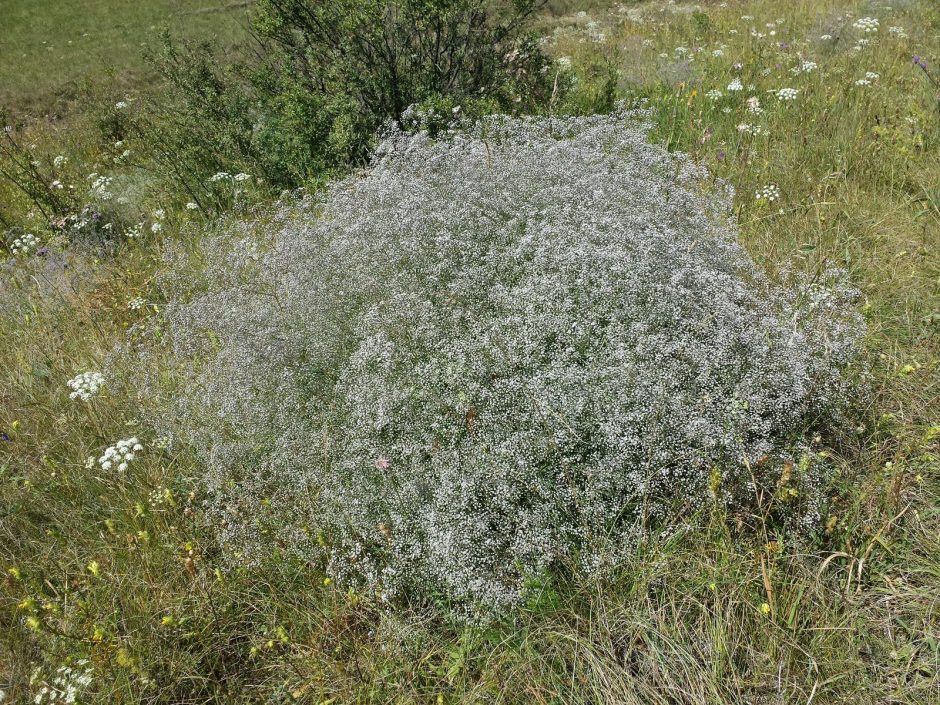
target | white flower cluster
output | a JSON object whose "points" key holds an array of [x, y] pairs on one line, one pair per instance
{"points": [[225, 176], [898, 32], [59, 161], [804, 67], [133, 232], [866, 24], [120, 454], [24, 245], [753, 130], [870, 77], [769, 193], [518, 348], [787, 94], [714, 94], [753, 105], [735, 85], [86, 385], [65, 687], [101, 187], [137, 303]]}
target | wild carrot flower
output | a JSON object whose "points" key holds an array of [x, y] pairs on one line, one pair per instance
{"points": [[24, 244], [866, 24], [120, 454], [769, 193], [86, 385]]}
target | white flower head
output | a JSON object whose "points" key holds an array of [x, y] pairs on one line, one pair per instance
{"points": [[24, 244], [769, 193], [86, 385], [120, 454]]}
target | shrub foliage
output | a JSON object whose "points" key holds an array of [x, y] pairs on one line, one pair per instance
{"points": [[329, 74], [496, 355]]}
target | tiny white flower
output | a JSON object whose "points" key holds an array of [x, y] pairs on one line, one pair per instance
{"points": [[86, 385], [787, 94], [769, 193]]}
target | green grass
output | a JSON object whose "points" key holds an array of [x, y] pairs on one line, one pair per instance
{"points": [[54, 51], [95, 567]]}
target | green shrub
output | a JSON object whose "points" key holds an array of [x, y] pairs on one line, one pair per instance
{"points": [[329, 75]]}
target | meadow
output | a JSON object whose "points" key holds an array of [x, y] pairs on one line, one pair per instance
{"points": [[57, 52], [824, 117]]}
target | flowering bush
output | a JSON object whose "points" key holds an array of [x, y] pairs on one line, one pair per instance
{"points": [[489, 356]]}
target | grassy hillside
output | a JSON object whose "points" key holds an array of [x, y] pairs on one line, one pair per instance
{"points": [[54, 50], [806, 101]]}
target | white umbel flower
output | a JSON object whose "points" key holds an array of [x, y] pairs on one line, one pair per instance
{"points": [[120, 454], [769, 193], [86, 385]]}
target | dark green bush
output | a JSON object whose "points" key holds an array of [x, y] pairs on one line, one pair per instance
{"points": [[325, 76]]}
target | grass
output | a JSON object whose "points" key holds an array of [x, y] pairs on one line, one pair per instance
{"points": [[122, 572], [55, 51]]}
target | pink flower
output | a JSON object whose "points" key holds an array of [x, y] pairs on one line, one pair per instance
{"points": [[382, 463]]}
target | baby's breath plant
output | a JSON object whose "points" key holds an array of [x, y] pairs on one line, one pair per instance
{"points": [[488, 357]]}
